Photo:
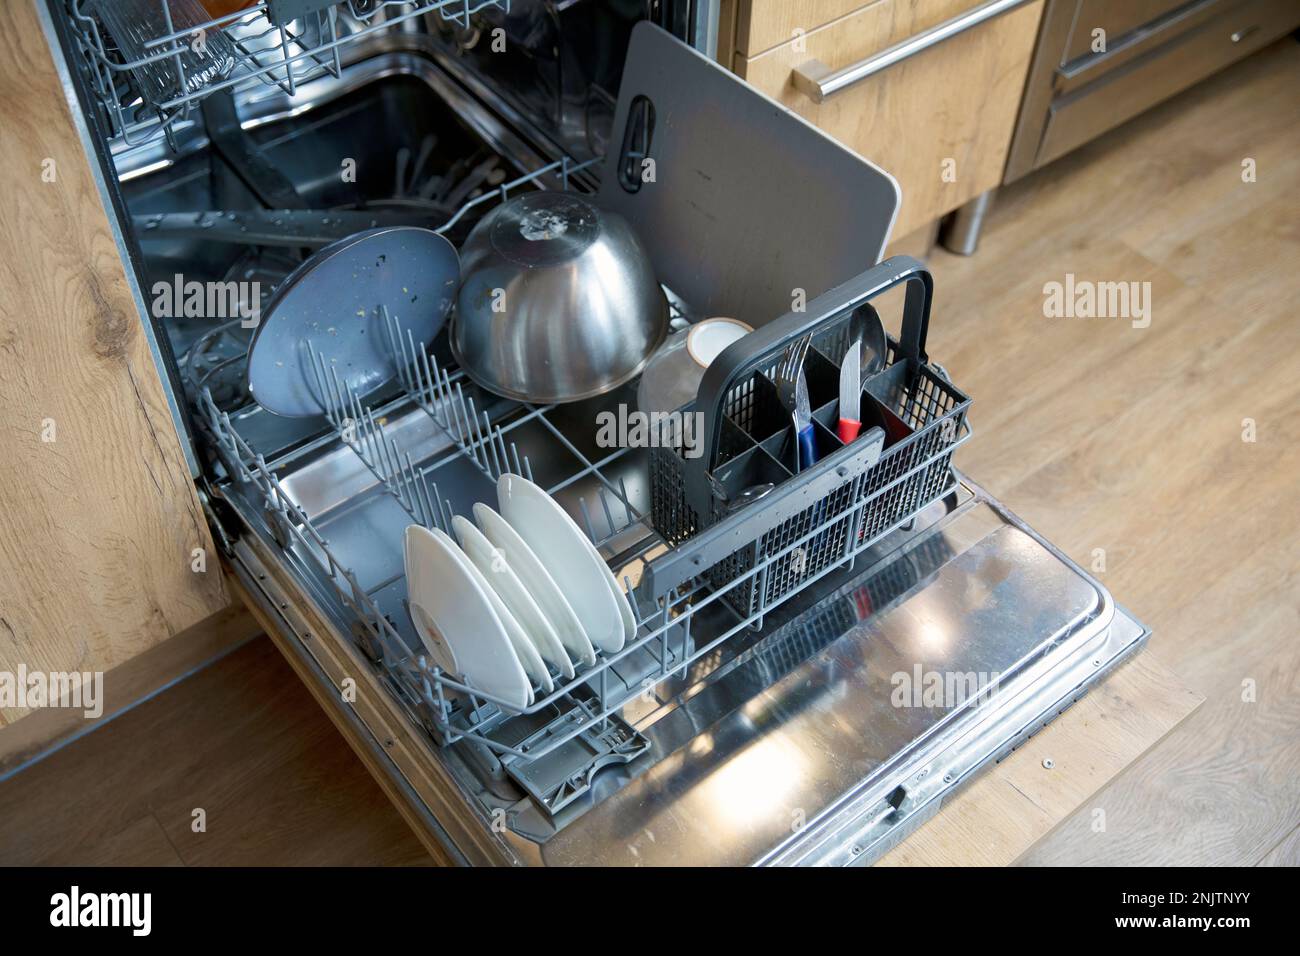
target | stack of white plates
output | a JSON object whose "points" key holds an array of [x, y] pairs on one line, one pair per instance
{"points": [[523, 599]]}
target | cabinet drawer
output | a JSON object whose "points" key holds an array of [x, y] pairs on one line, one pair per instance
{"points": [[1116, 17], [763, 24], [939, 120], [1126, 91]]}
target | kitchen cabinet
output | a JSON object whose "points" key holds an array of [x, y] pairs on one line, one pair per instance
{"points": [[1099, 63], [310, 530], [940, 120], [101, 530], [1101, 22]]}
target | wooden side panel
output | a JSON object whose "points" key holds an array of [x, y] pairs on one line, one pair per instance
{"points": [[940, 122], [98, 515]]}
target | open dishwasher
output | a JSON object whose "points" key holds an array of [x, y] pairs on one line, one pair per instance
{"points": [[811, 675]]}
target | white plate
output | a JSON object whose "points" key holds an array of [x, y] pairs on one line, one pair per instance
{"points": [[539, 583], [525, 650], [624, 606], [496, 570], [455, 618], [572, 559]]}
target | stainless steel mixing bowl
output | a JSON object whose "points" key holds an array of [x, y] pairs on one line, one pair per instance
{"points": [[558, 301]]}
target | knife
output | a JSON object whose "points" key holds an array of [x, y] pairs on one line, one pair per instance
{"points": [[850, 394], [803, 425]]}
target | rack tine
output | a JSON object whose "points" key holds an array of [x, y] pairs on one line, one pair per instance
{"points": [[417, 492], [416, 386], [586, 518], [450, 407], [442, 512], [430, 381], [340, 397], [417, 360], [514, 451], [320, 373], [373, 442], [476, 434], [361, 436], [492, 437], [448, 397], [426, 506], [397, 344], [505, 455], [439, 389], [627, 501], [386, 446], [400, 477], [463, 413], [604, 503], [381, 445]]}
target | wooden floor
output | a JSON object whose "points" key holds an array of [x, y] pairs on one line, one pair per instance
{"points": [[244, 742], [1102, 435], [1130, 440]]}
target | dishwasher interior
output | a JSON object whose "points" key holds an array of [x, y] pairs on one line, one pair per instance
{"points": [[755, 717]]}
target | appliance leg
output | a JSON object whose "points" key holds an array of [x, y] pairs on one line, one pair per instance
{"points": [[961, 232]]}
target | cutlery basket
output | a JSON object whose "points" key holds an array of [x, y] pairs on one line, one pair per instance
{"points": [[812, 519]]}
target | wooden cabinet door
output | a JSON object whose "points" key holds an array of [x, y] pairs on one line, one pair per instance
{"points": [[99, 518], [764, 24], [939, 121]]}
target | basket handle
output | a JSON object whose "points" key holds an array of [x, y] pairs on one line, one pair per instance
{"points": [[764, 346]]}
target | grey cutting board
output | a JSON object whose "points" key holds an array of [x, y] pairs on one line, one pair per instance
{"points": [[749, 200]]}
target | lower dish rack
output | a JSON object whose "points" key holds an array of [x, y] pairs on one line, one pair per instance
{"points": [[730, 568]]}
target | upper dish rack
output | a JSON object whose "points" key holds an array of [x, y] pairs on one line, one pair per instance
{"points": [[169, 55]]}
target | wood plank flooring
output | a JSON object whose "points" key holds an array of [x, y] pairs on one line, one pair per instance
{"points": [[242, 741], [1102, 435], [1106, 436]]}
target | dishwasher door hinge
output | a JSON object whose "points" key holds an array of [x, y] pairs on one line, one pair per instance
{"points": [[220, 517]]}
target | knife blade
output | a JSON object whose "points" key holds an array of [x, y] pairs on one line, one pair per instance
{"points": [[850, 422], [803, 423]]}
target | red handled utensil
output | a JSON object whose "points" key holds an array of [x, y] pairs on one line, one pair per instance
{"points": [[850, 422]]}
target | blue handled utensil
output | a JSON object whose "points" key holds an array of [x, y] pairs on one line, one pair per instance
{"points": [[789, 381], [803, 425]]}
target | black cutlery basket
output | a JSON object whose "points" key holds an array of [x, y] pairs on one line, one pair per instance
{"points": [[823, 515]]}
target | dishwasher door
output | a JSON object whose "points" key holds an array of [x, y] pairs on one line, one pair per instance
{"points": [[862, 705]]}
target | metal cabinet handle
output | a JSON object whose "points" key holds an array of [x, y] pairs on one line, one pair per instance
{"points": [[815, 78]]}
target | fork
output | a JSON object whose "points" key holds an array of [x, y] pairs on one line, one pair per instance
{"points": [[789, 376]]}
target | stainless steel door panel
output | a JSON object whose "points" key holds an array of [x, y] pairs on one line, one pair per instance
{"points": [[796, 750]]}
